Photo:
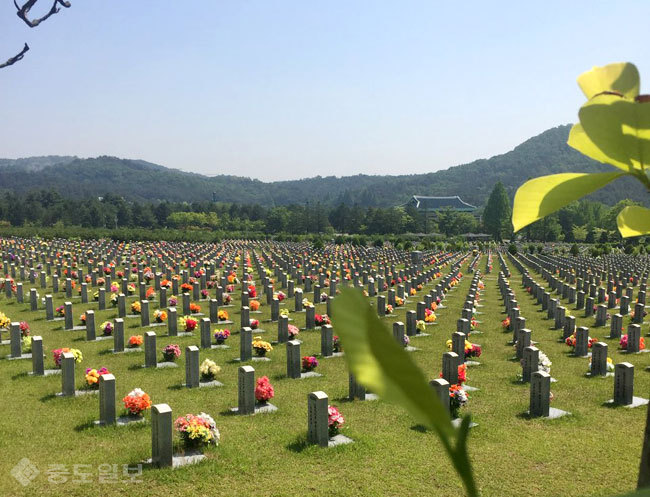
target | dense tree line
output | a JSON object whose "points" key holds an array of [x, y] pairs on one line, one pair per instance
{"points": [[584, 221]]}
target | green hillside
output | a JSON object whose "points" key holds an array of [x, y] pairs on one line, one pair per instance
{"points": [[546, 153]]}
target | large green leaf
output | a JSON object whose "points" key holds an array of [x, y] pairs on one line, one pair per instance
{"points": [[620, 128], [383, 366], [633, 221], [579, 140], [621, 77], [542, 196]]}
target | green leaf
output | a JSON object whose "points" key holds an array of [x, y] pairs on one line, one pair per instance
{"points": [[542, 196], [633, 221], [380, 364], [620, 129], [621, 77], [579, 140]]}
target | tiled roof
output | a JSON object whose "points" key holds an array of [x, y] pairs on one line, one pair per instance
{"points": [[437, 203]]}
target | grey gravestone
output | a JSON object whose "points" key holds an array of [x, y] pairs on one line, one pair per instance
{"points": [[441, 388], [633, 338], [450, 367], [616, 326], [599, 359], [540, 390], [150, 353], [523, 341], [192, 365], [90, 325], [283, 329], [67, 374], [49, 308], [172, 322], [144, 313], [162, 454], [38, 368], [411, 328], [530, 363], [118, 335], [310, 319], [245, 320], [582, 342], [246, 390], [206, 334], [107, 399], [458, 346], [293, 359], [326, 340], [245, 344], [317, 417], [623, 383], [69, 318]]}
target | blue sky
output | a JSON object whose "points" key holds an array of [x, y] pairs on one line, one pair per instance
{"points": [[290, 89]]}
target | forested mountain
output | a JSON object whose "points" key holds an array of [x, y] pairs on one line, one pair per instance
{"points": [[139, 180]]}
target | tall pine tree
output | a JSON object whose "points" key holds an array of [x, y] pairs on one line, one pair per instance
{"points": [[497, 213]]}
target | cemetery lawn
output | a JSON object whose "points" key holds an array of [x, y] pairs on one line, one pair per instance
{"points": [[595, 451]]}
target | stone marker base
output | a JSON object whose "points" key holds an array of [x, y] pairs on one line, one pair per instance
{"points": [[472, 363], [334, 354], [227, 321], [420, 335], [197, 314], [554, 413], [639, 352], [5, 342], [467, 388], [78, 393], [129, 350], [371, 396], [189, 458], [164, 364], [206, 384], [259, 408], [408, 348], [77, 328], [154, 325], [58, 319], [47, 372], [339, 440], [102, 338], [123, 421], [457, 422], [636, 402], [475, 332], [23, 356], [221, 346], [609, 374], [132, 316], [261, 359], [309, 374], [182, 334]]}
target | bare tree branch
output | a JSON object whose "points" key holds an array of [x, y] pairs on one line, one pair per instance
{"points": [[15, 58], [24, 11]]}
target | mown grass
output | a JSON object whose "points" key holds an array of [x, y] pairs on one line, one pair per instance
{"points": [[593, 452]]}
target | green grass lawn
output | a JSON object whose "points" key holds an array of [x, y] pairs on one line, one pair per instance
{"points": [[593, 452]]}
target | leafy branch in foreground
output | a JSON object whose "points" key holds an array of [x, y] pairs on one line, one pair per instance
{"points": [[614, 128], [380, 364]]}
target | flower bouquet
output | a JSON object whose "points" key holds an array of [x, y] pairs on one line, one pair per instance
{"points": [[336, 344], [209, 370], [306, 302], [399, 302], [187, 323], [335, 420], [421, 326], [195, 308], [221, 336], [106, 328], [92, 376], [150, 294], [280, 296], [389, 309], [24, 328], [58, 355], [505, 324], [186, 288], [82, 318], [136, 307], [60, 311], [205, 293], [171, 352], [227, 298], [254, 305], [136, 402], [284, 313], [114, 299], [292, 331], [623, 343], [222, 315], [457, 399], [172, 301], [571, 341], [429, 316], [264, 390], [309, 363], [610, 365], [321, 319], [130, 288], [160, 316], [405, 341], [197, 430], [135, 341], [261, 347], [254, 324], [5, 321]]}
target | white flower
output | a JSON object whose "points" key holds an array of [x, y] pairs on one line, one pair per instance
{"points": [[136, 392], [544, 362]]}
